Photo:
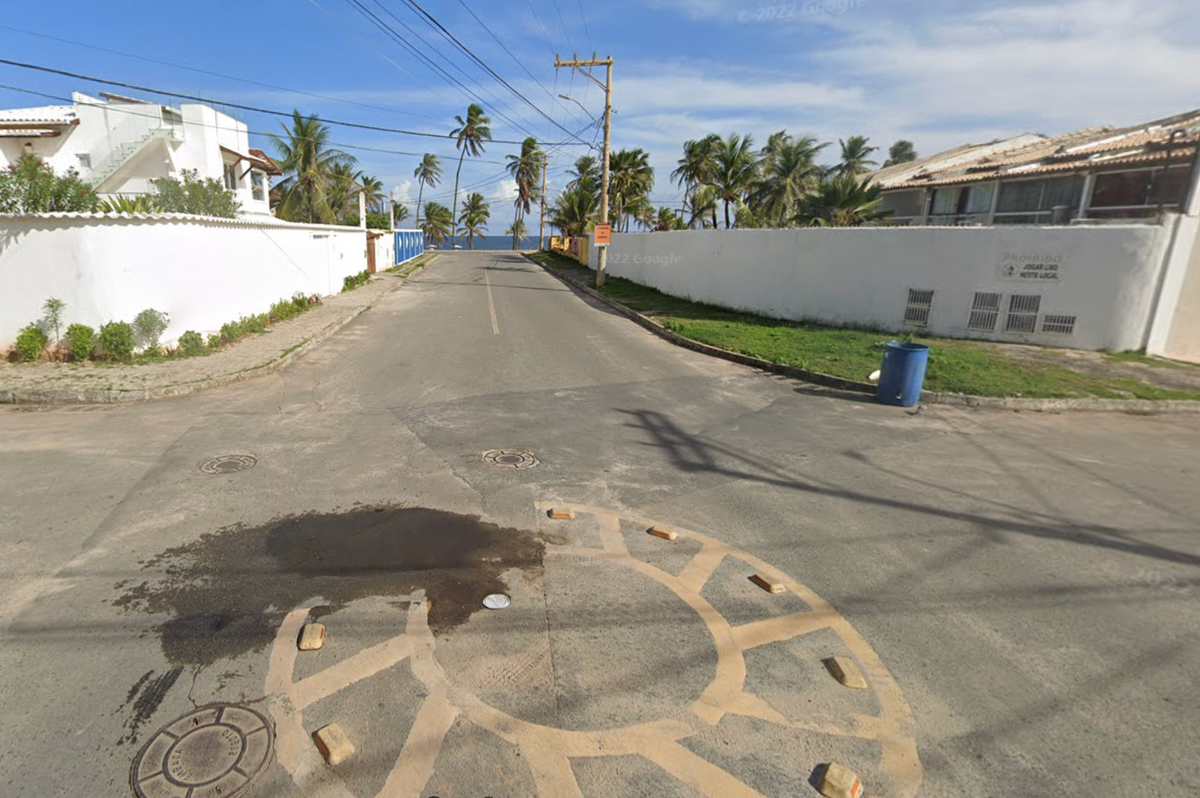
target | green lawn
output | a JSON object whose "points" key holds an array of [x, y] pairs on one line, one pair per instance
{"points": [[955, 366]]}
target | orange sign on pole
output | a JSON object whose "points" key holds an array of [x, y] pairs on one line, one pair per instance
{"points": [[603, 234]]}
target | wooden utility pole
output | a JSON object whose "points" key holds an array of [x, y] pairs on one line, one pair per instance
{"points": [[542, 224], [575, 63]]}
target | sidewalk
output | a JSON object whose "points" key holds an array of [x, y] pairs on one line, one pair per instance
{"points": [[88, 383]]}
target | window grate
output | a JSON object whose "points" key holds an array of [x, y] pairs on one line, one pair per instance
{"points": [[919, 305], [1022, 313], [985, 312], [1062, 325]]}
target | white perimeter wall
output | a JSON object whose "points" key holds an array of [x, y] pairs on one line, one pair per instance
{"points": [[1107, 276], [203, 272]]}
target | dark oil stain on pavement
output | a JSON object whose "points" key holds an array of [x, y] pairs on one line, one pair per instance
{"points": [[228, 591], [145, 696]]}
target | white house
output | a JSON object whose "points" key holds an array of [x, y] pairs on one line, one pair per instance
{"points": [[120, 144]]}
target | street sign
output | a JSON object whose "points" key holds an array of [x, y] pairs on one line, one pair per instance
{"points": [[603, 235]]}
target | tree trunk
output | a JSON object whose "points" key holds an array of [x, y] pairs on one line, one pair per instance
{"points": [[420, 192], [454, 213], [726, 214]]}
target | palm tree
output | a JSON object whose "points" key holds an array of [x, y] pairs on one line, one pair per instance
{"points": [[705, 199], [630, 179], [474, 217], [437, 222], [573, 211], [517, 231], [735, 170], [342, 194], [902, 151], [585, 175], [307, 161], [399, 212], [843, 201], [695, 168], [665, 219], [787, 172], [373, 188], [855, 156], [469, 137], [428, 173], [526, 170]]}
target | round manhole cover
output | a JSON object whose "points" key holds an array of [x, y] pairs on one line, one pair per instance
{"points": [[510, 458], [229, 463], [217, 750]]}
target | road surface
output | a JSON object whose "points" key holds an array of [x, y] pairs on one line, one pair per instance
{"points": [[1021, 591]]}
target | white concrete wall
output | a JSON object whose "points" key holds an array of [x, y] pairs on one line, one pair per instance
{"points": [[203, 272], [1106, 276]]}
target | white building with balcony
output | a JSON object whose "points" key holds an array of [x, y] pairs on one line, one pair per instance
{"points": [[119, 144]]}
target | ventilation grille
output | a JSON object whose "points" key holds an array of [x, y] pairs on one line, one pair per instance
{"points": [[1063, 325], [919, 305], [1022, 313], [985, 312]]}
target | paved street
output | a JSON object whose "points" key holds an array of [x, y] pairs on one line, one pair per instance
{"points": [[1020, 591]]}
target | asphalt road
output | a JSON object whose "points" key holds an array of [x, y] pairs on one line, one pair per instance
{"points": [[1021, 591]]}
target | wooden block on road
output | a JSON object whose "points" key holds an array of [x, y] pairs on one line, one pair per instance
{"points": [[840, 782], [767, 584], [333, 743], [666, 533], [563, 513], [312, 636], [846, 671]]}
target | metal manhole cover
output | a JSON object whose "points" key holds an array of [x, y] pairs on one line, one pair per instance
{"points": [[229, 463], [510, 458], [496, 601], [218, 750]]}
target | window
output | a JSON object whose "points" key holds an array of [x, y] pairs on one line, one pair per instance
{"points": [[258, 185], [904, 204], [985, 312], [231, 177], [1033, 201], [1053, 323], [963, 200], [85, 160], [1022, 313], [1139, 189], [919, 305]]}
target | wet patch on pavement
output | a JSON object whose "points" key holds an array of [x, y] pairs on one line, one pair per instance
{"points": [[229, 590], [143, 699]]}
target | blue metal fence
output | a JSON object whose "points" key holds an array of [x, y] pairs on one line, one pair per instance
{"points": [[409, 244]]}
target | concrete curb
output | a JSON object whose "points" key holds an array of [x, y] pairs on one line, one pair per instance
{"points": [[102, 396], [1139, 406]]}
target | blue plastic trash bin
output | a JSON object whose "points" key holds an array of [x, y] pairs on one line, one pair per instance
{"points": [[903, 373]]}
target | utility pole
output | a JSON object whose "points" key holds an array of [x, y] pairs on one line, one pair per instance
{"points": [[542, 224], [575, 63], [392, 208]]}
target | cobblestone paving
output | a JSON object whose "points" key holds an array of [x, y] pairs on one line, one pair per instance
{"points": [[256, 354]]}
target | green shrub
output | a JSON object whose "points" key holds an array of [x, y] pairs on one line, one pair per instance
{"points": [[150, 324], [230, 332], [254, 324], [31, 186], [300, 301], [190, 194], [214, 341], [284, 309], [81, 341], [191, 344], [53, 308], [117, 341], [31, 342], [352, 281]]}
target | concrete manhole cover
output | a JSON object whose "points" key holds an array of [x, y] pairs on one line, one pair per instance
{"points": [[510, 458], [229, 463], [215, 751]]}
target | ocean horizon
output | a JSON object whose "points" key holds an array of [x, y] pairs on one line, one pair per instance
{"points": [[493, 243]]}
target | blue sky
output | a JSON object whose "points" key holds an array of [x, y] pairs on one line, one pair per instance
{"points": [[937, 72]]}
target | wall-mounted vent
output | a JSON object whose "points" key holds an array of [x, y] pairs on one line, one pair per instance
{"points": [[919, 305], [1022, 313], [1058, 324], [985, 312]]}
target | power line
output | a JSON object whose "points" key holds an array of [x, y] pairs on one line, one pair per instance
{"points": [[470, 54], [339, 145], [248, 81], [243, 107]]}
